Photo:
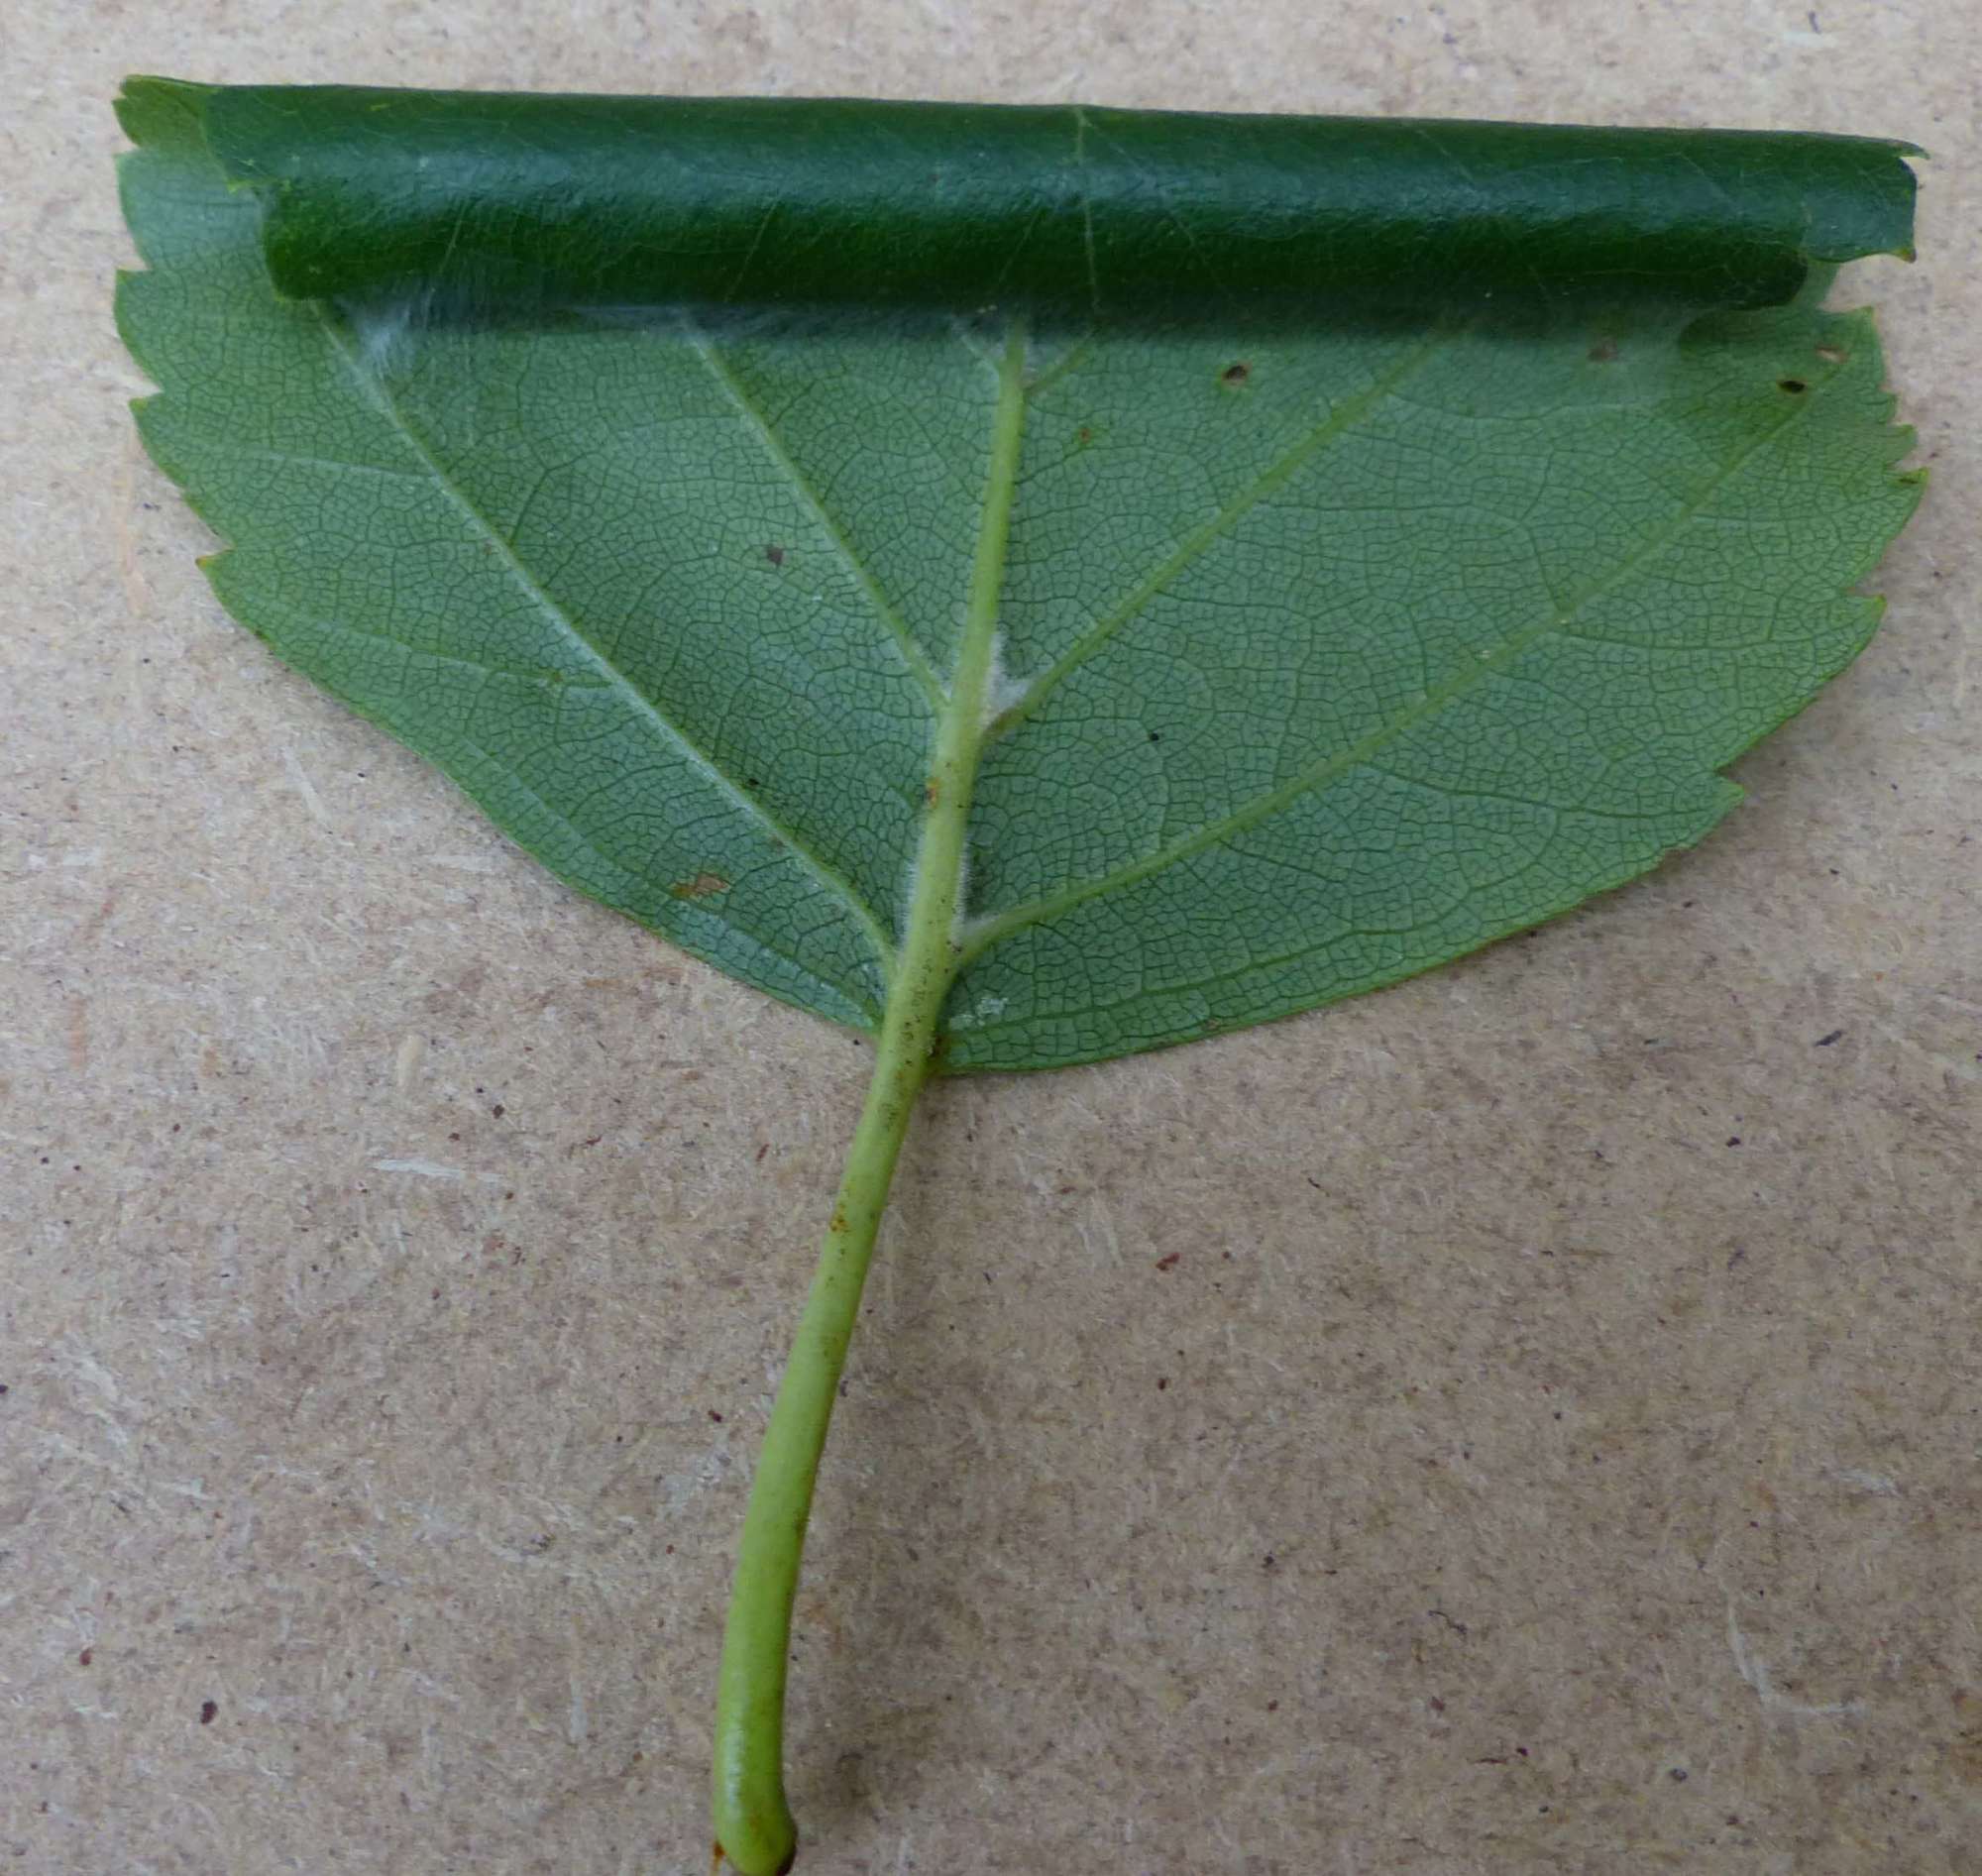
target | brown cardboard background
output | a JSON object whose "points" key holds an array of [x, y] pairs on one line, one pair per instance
{"points": [[1541, 1482]]}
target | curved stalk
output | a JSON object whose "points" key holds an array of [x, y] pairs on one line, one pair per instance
{"points": [[753, 1823]]}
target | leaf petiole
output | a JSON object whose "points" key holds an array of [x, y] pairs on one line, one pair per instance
{"points": [[752, 1821]]}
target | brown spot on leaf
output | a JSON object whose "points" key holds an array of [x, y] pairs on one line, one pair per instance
{"points": [[1169, 1261], [208, 1709], [1235, 374], [775, 555], [702, 886], [1794, 385]]}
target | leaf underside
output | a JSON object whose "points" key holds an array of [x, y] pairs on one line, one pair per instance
{"points": [[1326, 655]]}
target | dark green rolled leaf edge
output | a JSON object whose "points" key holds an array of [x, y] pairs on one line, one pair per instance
{"points": [[504, 198]]}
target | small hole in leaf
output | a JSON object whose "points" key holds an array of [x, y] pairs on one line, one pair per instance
{"points": [[1235, 374], [1603, 351], [1794, 385], [1832, 353]]}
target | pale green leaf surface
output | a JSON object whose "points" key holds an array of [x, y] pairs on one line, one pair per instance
{"points": [[1326, 656]]}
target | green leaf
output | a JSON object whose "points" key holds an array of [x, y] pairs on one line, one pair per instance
{"points": [[1325, 655], [1023, 696]]}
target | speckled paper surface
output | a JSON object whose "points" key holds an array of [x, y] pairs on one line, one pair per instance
{"points": [[1523, 1421]]}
